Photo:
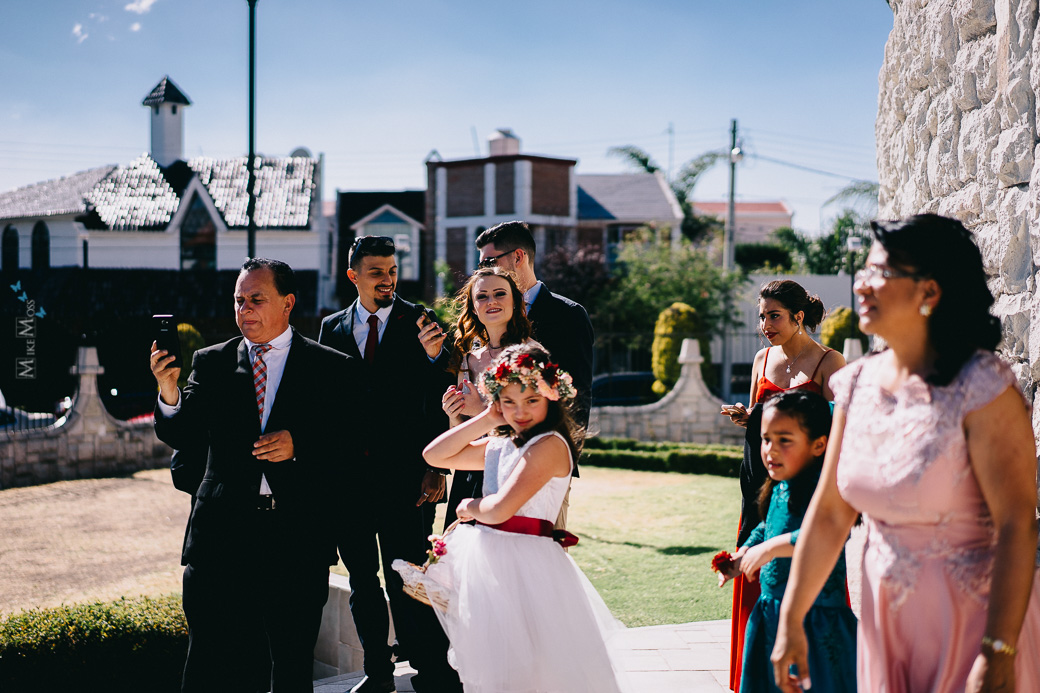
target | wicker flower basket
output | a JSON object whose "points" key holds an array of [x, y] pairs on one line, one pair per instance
{"points": [[414, 585]]}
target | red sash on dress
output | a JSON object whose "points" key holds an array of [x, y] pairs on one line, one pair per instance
{"points": [[518, 524]]}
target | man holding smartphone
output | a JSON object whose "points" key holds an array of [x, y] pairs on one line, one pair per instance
{"points": [[393, 494], [259, 542]]}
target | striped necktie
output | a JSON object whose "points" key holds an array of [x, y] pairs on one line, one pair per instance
{"points": [[260, 376]]}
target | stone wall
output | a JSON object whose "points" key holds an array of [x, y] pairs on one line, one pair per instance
{"points": [[688, 414], [87, 443], [957, 135]]}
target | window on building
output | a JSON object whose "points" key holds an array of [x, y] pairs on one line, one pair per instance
{"points": [[198, 238], [9, 252], [41, 247], [406, 242]]}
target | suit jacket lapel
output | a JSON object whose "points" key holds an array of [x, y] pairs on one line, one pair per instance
{"points": [[244, 374], [286, 386], [346, 323]]}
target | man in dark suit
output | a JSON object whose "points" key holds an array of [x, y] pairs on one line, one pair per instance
{"points": [[259, 541], [394, 493], [561, 325]]}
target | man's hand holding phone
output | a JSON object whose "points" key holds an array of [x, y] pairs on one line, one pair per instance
{"points": [[166, 374], [431, 335]]}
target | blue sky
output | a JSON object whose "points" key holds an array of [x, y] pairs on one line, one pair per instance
{"points": [[376, 85]]}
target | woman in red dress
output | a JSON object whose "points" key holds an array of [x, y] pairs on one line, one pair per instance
{"points": [[793, 360]]}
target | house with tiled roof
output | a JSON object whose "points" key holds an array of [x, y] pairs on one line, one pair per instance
{"points": [[164, 212], [563, 208], [754, 221]]}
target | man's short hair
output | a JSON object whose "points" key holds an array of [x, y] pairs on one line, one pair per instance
{"points": [[284, 277], [366, 246], [507, 236]]}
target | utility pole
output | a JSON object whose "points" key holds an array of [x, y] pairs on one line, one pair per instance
{"points": [[251, 206], [735, 155]]}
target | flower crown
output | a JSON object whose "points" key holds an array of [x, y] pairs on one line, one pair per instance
{"points": [[548, 379]]}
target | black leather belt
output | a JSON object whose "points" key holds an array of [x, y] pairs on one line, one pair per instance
{"points": [[266, 502]]}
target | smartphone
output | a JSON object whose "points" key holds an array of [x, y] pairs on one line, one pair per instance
{"points": [[428, 313], [166, 338]]}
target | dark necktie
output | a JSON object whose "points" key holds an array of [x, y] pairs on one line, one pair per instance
{"points": [[373, 339], [260, 376]]}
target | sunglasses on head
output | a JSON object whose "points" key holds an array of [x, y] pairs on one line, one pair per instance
{"points": [[371, 243]]}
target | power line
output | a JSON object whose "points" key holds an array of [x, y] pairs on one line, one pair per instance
{"points": [[809, 169]]}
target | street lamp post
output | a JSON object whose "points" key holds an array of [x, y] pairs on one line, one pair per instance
{"points": [[251, 206], [728, 257]]}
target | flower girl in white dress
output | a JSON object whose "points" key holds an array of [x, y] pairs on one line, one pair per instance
{"points": [[521, 616]]}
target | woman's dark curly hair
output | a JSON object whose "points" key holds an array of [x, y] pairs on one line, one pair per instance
{"points": [[813, 414], [940, 248], [468, 328], [792, 296]]}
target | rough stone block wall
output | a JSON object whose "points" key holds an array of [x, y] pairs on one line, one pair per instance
{"points": [[957, 135]]}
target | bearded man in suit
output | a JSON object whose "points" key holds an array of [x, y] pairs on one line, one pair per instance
{"points": [[259, 541], [393, 494]]}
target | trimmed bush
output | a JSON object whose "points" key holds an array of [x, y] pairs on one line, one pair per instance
{"points": [[127, 645], [756, 256], [191, 341], [675, 323], [685, 458], [841, 324]]}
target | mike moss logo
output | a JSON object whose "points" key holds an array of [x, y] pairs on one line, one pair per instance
{"points": [[25, 330]]}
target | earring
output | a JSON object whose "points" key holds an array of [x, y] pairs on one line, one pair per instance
{"points": [[926, 309], [799, 328]]}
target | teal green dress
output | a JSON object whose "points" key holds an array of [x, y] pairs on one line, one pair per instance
{"points": [[830, 625]]}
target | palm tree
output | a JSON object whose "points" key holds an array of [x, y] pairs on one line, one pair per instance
{"points": [[693, 226], [862, 194]]}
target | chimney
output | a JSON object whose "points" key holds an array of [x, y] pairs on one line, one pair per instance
{"points": [[167, 102], [503, 143]]}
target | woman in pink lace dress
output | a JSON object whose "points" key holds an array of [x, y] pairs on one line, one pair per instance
{"points": [[937, 452]]}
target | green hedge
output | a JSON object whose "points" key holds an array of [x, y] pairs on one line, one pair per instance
{"points": [[686, 458], [127, 645]]}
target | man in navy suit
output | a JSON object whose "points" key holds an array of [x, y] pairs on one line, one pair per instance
{"points": [[393, 494], [257, 409], [561, 325]]}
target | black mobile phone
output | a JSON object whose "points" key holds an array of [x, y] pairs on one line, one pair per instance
{"points": [[166, 338], [429, 313]]}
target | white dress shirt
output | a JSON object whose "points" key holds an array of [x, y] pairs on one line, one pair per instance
{"points": [[530, 295], [361, 324]]}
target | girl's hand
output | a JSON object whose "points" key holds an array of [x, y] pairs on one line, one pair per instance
{"points": [[731, 571], [991, 673], [791, 649], [453, 403], [753, 560], [463, 511], [736, 413], [472, 404], [494, 415]]}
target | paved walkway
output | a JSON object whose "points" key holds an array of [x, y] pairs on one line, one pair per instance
{"points": [[687, 658]]}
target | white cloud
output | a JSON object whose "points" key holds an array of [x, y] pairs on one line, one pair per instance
{"points": [[140, 6], [136, 26], [78, 32], [99, 18]]}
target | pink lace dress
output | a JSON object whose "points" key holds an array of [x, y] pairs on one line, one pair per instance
{"points": [[928, 559]]}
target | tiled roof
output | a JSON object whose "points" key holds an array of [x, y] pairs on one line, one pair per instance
{"points": [[719, 208], [59, 196], [165, 92], [135, 197], [626, 197], [286, 187]]}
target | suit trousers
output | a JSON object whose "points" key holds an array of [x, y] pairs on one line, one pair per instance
{"points": [[401, 529], [253, 617]]}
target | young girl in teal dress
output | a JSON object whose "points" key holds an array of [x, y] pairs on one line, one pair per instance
{"points": [[795, 425]]}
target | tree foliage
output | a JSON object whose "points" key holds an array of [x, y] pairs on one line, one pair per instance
{"points": [[751, 257], [650, 276], [828, 253]]}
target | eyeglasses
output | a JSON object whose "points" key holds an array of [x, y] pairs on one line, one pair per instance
{"points": [[492, 261], [875, 275]]}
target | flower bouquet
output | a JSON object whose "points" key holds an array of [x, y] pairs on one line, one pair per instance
{"points": [[722, 562]]}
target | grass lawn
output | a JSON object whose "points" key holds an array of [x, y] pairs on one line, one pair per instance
{"points": [[647, 539]]}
